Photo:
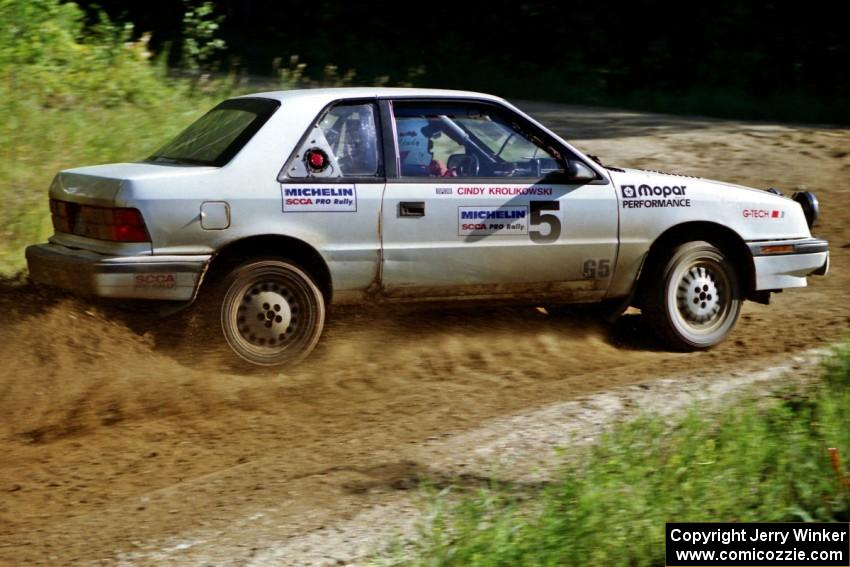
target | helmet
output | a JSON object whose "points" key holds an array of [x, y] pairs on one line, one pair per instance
{"points": [[413, 145]]}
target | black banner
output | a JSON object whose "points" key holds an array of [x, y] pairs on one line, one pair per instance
{"points": [[758, 544]]}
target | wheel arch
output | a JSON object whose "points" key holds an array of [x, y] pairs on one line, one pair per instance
{"points": [[305, 255], [723, 237]]}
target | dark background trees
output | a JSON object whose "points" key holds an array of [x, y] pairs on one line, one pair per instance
{"points": [[720, 57]]}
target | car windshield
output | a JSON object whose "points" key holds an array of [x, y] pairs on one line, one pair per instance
{"points": [[218, 135]]}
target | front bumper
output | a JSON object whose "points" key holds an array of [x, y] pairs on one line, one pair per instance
{"points": [[91, 274], [782, 264]]}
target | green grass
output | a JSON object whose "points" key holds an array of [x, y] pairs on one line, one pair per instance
{"points": [[760, 460], [37, 142], [73, 94]]}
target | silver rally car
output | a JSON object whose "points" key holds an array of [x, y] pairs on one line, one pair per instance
{"points": [[272, 206]]}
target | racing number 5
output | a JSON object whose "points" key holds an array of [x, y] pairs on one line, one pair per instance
{"points": [[538, 216]]}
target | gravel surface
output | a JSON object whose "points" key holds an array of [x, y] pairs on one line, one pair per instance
{"points": [[117, 447]]}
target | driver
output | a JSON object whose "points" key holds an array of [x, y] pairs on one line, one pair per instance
{"points": [[416, 149]]}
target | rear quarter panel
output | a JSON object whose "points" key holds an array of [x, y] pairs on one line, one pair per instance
{"points": [[171, 205]]}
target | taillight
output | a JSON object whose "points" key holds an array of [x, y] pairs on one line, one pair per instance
{"points": [[62, 215], [101, 223]]}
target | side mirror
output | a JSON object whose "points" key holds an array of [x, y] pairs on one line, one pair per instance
{"points": [[577, 171], [574, 172]]}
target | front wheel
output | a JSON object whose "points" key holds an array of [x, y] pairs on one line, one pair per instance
{"points": [[272, 313], [693, 299]]}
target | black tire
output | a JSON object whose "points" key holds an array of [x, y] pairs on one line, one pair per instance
{"points": [[693, 299], [269, 312]]}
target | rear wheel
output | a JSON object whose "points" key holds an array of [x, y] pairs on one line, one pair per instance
{"points": [[693, 299], [271, 312]]}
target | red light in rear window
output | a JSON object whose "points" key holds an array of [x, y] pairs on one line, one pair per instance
{"points": [[317, 160]]}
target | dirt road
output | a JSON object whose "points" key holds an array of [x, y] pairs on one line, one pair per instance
{"points": [[110, 440]]}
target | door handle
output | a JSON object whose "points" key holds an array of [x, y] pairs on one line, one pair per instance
{"points": [[411, 209]]}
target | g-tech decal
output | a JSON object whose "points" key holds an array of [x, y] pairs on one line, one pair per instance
{"points": [[507, 221], [763, 214], [319, 199], [642, 196]]}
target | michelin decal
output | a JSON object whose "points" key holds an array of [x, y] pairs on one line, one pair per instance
{"points": [[507, 221], [319, 199]]}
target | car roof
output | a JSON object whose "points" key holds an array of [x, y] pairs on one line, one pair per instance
{"points": [[328, 95]]}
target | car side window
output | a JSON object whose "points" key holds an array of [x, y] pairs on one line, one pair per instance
{"points": [[344, 143], [467, 140]]}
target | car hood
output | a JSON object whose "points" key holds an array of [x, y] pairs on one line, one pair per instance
{"points": [[98, 185], [654, 178]]}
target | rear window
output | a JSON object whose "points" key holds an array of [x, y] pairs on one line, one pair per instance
{"points": [[218, 135]]}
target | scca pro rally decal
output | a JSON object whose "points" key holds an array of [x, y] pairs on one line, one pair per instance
{"points": [[319, 199], [491, 220], [155, 280], [649, 197]]}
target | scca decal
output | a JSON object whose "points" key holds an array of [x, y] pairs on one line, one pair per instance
{"points": [[155, 280], [646, 196]]}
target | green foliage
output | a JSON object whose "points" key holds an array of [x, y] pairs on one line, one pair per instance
{"points": [[37, 141], [72, 95], [752, 462], [200, 26], [48, 55]]}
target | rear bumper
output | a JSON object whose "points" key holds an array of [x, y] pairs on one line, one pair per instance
{"points": [[789, 267], [91, 274]]}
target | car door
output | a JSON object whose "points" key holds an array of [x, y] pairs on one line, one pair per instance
{"points": [[478, 203], [331, 190]]}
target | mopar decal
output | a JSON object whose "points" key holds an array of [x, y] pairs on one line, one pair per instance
{"points": [[508, 221], [319, 199], [648, 197]]}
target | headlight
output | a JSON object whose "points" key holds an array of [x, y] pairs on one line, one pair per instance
{"points": [[810, 205]]}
